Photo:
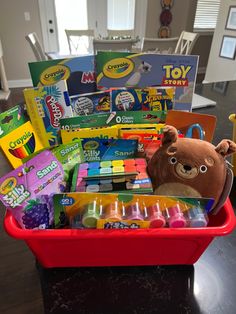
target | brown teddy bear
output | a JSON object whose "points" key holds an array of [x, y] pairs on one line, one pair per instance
{"points": [[191, 167]]}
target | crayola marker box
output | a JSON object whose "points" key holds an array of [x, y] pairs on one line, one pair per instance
{"points": [[46, 105], [20, 144]]}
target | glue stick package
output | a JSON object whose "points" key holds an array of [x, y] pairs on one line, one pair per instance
{"points": [[26, 190]]}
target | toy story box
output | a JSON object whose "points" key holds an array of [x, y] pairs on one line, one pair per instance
{"points": [[122, 69], [78, 72]]}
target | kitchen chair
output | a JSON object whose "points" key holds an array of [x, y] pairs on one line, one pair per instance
{"points": [[120, 33], [159, 45], [78, 39], [186, 43], [113, 44], [36, 46]]}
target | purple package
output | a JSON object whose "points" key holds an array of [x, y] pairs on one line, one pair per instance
{"points": [[27, 190]]}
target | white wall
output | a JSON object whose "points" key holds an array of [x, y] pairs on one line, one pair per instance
{"points": [[13, 29], [221, 69]]}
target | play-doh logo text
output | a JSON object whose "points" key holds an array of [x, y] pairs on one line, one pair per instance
{"points": [[54, 74], [55, 110], [117, 68], [175, 75]]}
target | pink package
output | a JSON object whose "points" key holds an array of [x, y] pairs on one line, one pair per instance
{"points": [[27, 190]]}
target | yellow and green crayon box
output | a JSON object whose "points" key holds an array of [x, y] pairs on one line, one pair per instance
{"points": [[20, 144], [71, 135]]}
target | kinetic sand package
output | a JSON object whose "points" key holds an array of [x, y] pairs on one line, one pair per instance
{"points": [[46, 106], [140, 70], [26, 190]]}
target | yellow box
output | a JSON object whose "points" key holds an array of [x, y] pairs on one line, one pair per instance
{"points": [[70, 135], [20, 144]]}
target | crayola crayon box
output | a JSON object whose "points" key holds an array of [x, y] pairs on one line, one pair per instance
{"points": [[89, 103], [147, 99], [113, 118], [46, 105], [12, 119], [105, 133], [20, 144], [78, 72], [141, 70]]}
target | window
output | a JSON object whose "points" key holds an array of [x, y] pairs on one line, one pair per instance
{"points": [[120, 14], [206, 14]]}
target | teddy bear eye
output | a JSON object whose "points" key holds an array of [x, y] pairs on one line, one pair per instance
{"points": [[203, 169], [172, 160]]}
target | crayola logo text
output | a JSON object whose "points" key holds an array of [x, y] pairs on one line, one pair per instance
{"points": [[56, 111], [54, 74], [117, 68], [21, 140], [175, 75]]}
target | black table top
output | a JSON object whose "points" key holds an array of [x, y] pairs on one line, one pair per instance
{"points": [[207, 287]]}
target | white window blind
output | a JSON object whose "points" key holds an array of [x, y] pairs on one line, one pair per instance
{"points": [[120, 14], [206, 14]]}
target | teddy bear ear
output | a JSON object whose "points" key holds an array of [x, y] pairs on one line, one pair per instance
{"points": [[226, 148], [170, 135]]}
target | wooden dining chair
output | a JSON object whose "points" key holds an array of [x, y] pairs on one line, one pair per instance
{"points": [[79, 38], [120, 33], [186, 43], [159, 45], [36, 46]]}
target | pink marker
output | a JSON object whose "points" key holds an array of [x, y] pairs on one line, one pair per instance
{"points": [[157, 220], [176, 217], [134, 212]]}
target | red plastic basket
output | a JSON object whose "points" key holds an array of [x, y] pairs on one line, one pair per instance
{"points": [[167, 246]]}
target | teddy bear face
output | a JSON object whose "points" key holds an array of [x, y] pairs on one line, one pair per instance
{"points": [[184, 168]]}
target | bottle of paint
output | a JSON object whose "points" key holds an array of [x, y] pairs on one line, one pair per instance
{"points": [[91, 214], [197, 217], [134, 212], [112, 211], [155, 216], [175, 216]]}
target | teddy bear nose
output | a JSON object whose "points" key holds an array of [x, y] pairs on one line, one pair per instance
{"points": [[187, 167]]}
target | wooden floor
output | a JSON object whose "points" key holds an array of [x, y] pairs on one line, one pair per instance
{"points": [[20, 290]]}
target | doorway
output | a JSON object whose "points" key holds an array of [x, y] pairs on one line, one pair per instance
{"points": [[58, 15]]}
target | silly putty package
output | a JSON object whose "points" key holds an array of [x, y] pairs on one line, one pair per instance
{"points": [[26, 190]]}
